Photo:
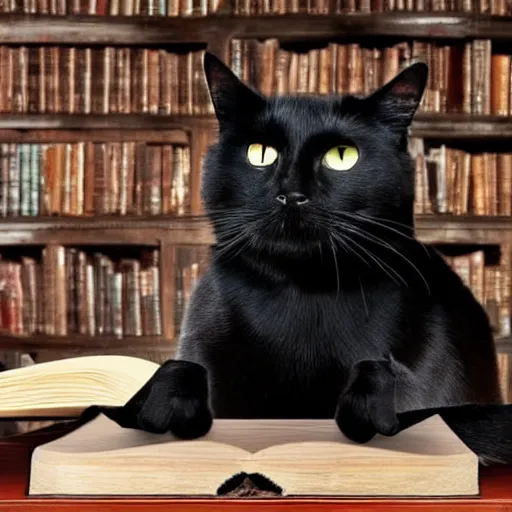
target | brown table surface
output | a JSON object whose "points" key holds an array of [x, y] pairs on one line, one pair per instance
{"points": [[495, 492]]}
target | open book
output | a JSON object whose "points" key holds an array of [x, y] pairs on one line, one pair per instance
{"points": [[65, 388], [301, 457], [287, 457]]}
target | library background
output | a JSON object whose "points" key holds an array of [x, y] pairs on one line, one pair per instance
{"points": [[105, 118]]}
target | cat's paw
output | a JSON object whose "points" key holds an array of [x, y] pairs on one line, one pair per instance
{"points": [[175, 399], [186, 417], [366, 406]]}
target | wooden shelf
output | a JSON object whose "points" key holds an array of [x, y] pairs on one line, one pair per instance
{"points": [[175, 129], [461, 126], [136, 122], [139, 31], [77, 341], [504, 345], [440, 229], [101, 230], [23, 136], [130, 344], [153, 230]]}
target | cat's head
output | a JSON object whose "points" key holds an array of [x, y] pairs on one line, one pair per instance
{"points": [[289, 172]]}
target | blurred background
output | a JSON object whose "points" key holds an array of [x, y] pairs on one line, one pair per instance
{"points": [[105, 119]]}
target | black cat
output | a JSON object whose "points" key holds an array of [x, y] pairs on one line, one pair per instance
{"points": [[319, 301]]}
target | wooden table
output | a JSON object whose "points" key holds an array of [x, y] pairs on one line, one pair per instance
{"points": [[496, 492]]}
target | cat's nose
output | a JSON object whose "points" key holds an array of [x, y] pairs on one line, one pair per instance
{"points": [[292, 198]]}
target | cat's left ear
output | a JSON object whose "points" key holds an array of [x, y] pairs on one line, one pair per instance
{"points": [[232, 100], [396, 102]]}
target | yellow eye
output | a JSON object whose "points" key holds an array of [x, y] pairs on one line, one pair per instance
{"points": [[260, 155], [341, 158]]}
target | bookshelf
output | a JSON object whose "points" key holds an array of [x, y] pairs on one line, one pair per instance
{"points": [[153, 230], [158, 30], [91, 344], [158, 128], [192, 125]]}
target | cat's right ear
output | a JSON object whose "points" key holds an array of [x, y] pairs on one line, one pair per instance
{"points": [[396, 102], [232, 99]]}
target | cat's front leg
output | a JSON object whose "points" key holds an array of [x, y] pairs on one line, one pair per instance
{"points": [[366, 406], [174, 399]]}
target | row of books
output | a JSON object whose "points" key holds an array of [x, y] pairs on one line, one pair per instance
{"points": [[457, 182], [136, 178], [246, 7], [113, 7], [51, 79], [495, 7], [463, 77], [191, 263], [490, 283], [89, 178], [69, 291]]}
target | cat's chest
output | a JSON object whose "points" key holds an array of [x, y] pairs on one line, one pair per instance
{"points": [[344, 326]]}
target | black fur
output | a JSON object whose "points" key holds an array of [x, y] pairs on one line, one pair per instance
{"points": [[258, 480], [330, 309]]}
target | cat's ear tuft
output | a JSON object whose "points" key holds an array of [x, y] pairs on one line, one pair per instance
{"points": [[397, 101], [231, 98]]}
